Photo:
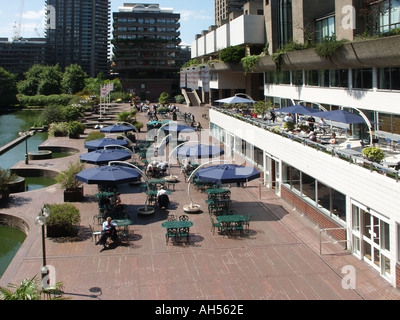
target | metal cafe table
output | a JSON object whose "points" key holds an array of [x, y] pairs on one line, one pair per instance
{"points": [[123, 227], [174, 228], [220, 193], [231, 222], [152, 194]]}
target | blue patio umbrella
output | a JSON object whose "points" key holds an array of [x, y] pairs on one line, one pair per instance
{"points": [[104, 156], [178, 128], [227, 173], [108, 175], [118, 128], [340, 116], [199, 151], [235, 99], [298, 109], [101, 143]]}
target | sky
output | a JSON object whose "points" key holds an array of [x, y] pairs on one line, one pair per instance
{"points": [[196, 16]]}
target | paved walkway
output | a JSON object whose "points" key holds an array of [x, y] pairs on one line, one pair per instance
{"points": [[279, 259]]}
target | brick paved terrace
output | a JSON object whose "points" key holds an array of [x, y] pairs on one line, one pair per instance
{"points": [[278, 259]]}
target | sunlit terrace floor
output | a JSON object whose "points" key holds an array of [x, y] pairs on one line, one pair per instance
{"points": [[279, 259]]}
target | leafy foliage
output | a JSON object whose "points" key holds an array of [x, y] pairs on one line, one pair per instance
{"points": [[261, 107], [75, 127], [58, 129], [373, 153], [233, 54], [163, 99], [179, 99], [5, 178], [328, 47], [249, 62], [290, 47], [39, 79], [29, 289], [67, 177], [73, 79], [288, 125], [8, 87], [63, 215], [127, 116], [94, 135]]}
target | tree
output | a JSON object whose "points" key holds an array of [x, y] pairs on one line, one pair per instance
{"points": [[73, 79], [8, 87], [372, 11], [40, 79], [163, 99], [261, 107]]}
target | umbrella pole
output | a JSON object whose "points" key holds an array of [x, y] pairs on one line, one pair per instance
{"points": [[146, 179], [194, 171]]}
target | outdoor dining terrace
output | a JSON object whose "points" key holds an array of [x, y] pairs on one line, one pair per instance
{"points": [[348, 148]]}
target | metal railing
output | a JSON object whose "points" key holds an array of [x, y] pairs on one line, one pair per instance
{"points": [[332, 150], [325, 230]]}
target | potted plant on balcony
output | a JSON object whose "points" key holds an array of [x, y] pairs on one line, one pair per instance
{"points": [[73, 189], [373, 154]]}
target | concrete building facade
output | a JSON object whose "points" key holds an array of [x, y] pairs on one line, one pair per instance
{"points": [[352, 199], [146, 49]]}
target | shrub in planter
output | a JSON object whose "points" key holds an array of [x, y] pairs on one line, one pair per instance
{"points": [[73, 189], [75, 128], [289, 125], [6, 177], [58, 129], [63, 220], [94, 135], [374, 154]]}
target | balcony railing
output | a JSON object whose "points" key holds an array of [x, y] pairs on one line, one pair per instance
{"points": [[328, 149]]}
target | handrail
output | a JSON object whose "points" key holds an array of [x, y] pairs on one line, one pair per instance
{"points": [[332, 241], [332, 150]]}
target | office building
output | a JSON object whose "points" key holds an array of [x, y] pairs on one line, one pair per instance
{"points": [[18, 56], [80, 35], [146, 49]]}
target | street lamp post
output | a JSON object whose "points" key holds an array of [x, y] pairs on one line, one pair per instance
{"points": [[41, 220], [26, 134]]}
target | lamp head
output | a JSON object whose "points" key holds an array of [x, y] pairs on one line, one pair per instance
{"points": [[40, 220]]}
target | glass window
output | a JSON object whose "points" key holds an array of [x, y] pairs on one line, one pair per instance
{"points": [[334, 78], [326, 29], [308, 186], [324, 196], [344, 78], [384, 78], [339, 205], [312, 77], [295, 179], [284, 19], [385, 232], [298, 77]]}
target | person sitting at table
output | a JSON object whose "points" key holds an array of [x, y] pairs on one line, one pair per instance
{"points": [[162, 198], [333, 139], [188, 167], [313, 136], [162, 166], [109, 231], [150, 169]]}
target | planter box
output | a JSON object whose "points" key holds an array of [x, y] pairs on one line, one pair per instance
{"points": [[61, 231], [73, 195]]}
